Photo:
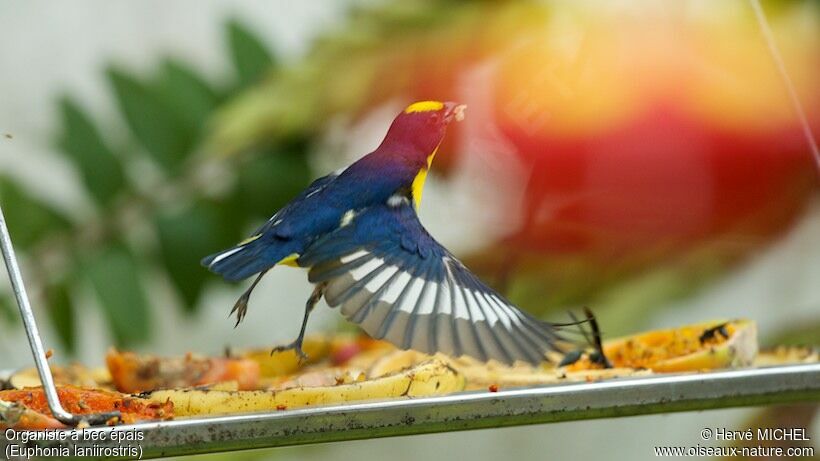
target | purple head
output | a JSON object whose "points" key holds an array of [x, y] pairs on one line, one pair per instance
{"points": [[419, 129]]}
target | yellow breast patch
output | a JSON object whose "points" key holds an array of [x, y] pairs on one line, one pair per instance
{"points": [[418, 182], [418, 187]]}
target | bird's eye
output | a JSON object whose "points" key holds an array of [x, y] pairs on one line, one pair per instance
{"points": [[434, 118]]}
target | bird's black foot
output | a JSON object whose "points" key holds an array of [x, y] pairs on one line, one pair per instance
{"points": [[241, 308], [593, 339], [295, 346], [597, 356]]}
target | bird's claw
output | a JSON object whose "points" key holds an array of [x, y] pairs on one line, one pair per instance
{"points": [[296, 347], [241, 308]]}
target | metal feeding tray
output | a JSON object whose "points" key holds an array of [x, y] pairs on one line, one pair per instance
{"points": [[463, 411]]}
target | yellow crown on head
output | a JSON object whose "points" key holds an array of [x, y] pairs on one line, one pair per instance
{"points": [[424, 106]]}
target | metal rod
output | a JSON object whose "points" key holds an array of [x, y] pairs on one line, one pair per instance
{"points": [[777, 57], [33, 334], [462, 411]]}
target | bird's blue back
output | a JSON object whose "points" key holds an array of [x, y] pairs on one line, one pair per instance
{"points": [[318, 210]]}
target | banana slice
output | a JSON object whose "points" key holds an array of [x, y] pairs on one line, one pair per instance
{"points": [[433, 377]]}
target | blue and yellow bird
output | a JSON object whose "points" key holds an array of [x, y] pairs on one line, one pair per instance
{"points": [[358, 234]]}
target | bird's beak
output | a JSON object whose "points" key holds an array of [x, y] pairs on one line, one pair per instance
{"points": [[454, 111]]}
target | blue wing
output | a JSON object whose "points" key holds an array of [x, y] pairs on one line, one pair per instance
{"points": [[394, 280]]}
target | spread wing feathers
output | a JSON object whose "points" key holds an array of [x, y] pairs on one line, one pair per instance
{"points": [[394, 280]]}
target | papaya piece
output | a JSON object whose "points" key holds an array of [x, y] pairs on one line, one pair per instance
{"points": [[133, 373], [702, 346], [82, 401]]}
